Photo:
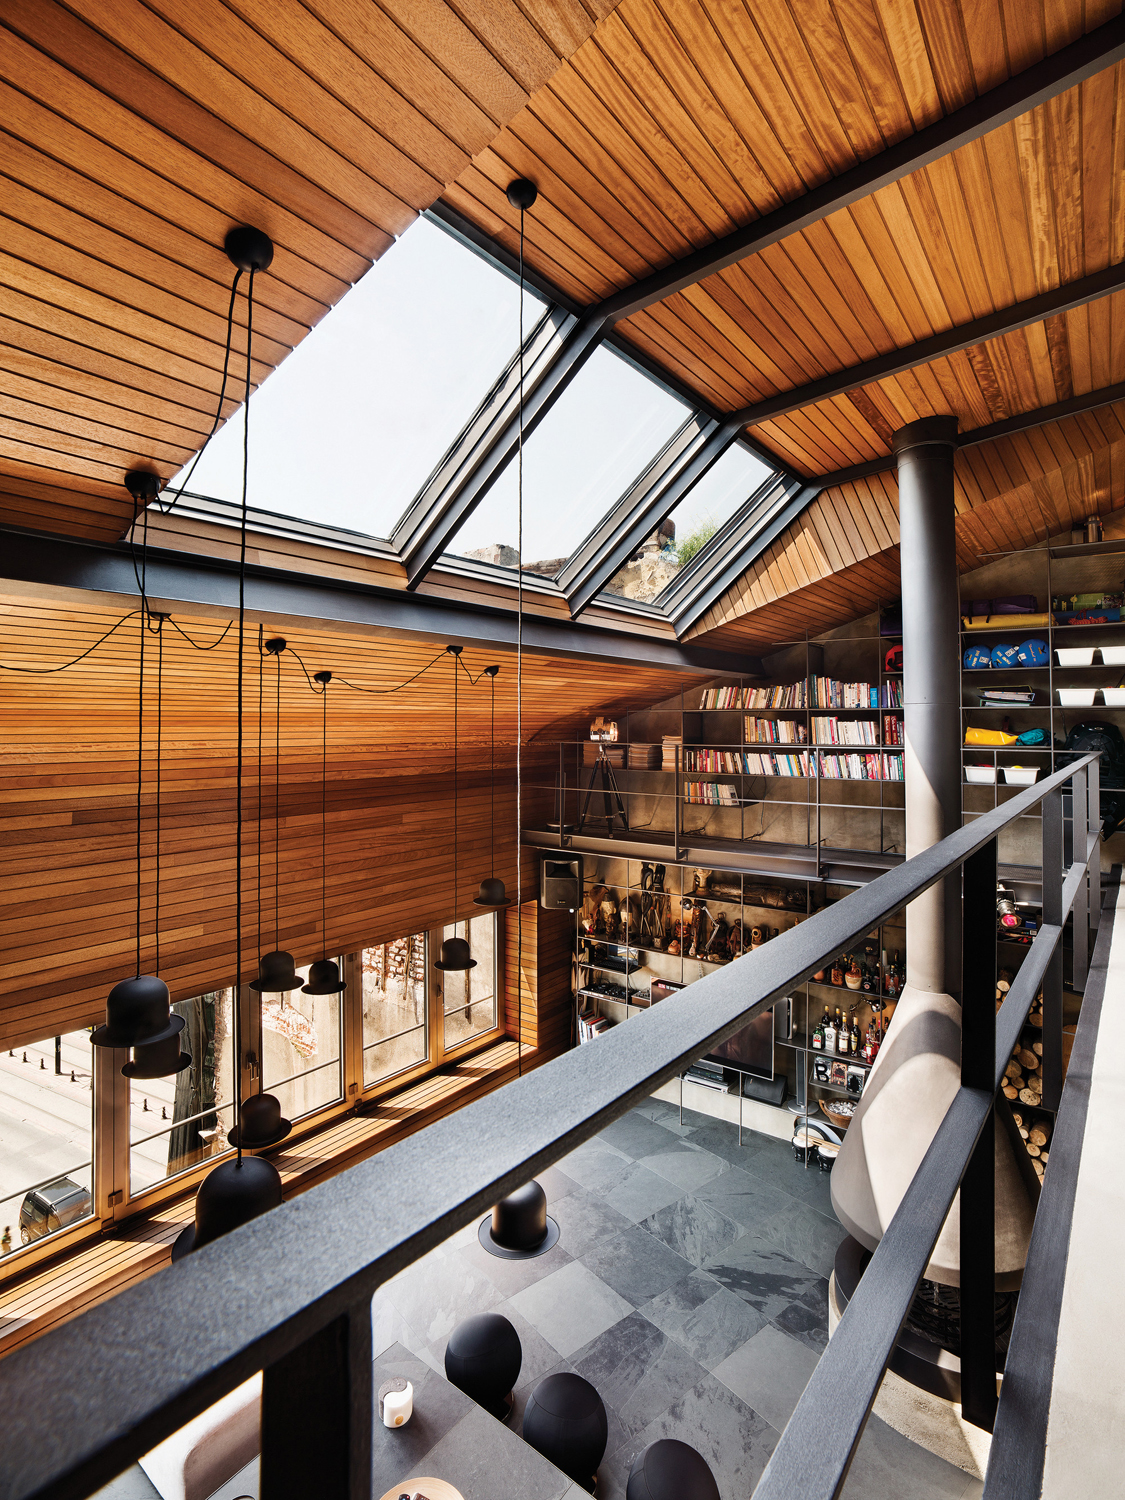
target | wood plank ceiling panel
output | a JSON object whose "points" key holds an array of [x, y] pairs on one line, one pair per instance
{"points": [[67, 890], [135, 135], [840, 556], [675, 124]]}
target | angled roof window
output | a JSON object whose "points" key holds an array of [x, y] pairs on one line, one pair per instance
{"points": [[603, 430], [347, 429], [706, 507]]}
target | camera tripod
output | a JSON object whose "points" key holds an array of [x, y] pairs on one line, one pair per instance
{"points": [[604, 783]]}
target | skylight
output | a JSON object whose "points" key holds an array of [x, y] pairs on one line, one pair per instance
{"points": [[593, 443], [348, 428], [706, 507]]}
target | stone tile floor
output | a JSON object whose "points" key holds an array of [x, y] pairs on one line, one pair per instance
{"points": [[689, 1285]]}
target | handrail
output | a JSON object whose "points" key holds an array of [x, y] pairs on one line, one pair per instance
{"points": [[289, 1293]]}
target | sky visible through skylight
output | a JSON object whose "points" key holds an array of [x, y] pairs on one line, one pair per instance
{"points": [[350, 426]]}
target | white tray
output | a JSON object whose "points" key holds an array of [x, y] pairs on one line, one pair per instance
{"points": [[1113, 656], [982, 775], [1114, 697], [1020, 775], [1075, 656], [1076, 697]]}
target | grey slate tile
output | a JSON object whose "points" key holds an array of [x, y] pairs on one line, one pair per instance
{"points": [[704, 1318], [584, 1220], [693, 1228], [637, 1136], [637, 1192], [637, 1370], [511, 1276], [805, 1234], [686, 1166], [570, 1307], [636, 1265], [769, 1373], [740, 1195], [769, 1281]]}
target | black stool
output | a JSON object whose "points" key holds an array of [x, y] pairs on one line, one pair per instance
{"points": [[483, 1358], [565, 1421], [670, 1470]]}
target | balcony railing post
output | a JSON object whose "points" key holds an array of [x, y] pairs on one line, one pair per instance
{"points": [[978, 1186], [1094, 817], [1080, 927], [1053, 877], [317, 1414]]}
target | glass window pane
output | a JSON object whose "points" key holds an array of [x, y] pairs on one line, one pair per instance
{"points": [[469, 997], [302, 1056], [395, 1034], [695, 520], [179, 1121], [351, 424], [600, 434], [46, 1138]]}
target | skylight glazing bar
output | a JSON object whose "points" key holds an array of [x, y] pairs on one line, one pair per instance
{"points": [[730, 552], [556, 350], [698, 445]]}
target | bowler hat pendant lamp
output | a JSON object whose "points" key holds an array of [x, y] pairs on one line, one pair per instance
{"points": [[277, 973], [456, 955], [237, 1191], [138, 1010], [492, 892], [324, 976]]}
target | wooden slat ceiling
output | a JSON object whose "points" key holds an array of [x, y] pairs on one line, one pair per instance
{"points": [[840, 557], [136, 134], [672, 126], [68, 763]]}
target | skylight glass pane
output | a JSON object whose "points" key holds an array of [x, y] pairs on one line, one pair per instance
{"points": [[706, 507], [605, 427], [349, 427]]}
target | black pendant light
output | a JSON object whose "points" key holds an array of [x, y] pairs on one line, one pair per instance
{"points": [[324, 976], [158, 1059], [277, 973], [456, 955], [138, 1010], [237, 1191], [521, 194], [492, 892]]}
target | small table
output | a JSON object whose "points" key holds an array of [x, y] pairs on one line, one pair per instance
{"points": [[433, 1489]]}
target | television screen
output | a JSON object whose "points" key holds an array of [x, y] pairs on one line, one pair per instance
{"points": [[750, 1049]]}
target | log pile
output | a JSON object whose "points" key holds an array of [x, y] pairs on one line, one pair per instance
{"points": [[1035, 1131]]}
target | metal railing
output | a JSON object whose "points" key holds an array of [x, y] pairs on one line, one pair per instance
{"points": [[289, 1293]]}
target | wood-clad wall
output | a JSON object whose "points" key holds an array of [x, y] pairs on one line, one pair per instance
{"points": [[538, 1006]]}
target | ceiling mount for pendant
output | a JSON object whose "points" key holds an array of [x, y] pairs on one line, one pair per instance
{"points": [[276, 645], [522, 193], [143, 485], [248, 248]]}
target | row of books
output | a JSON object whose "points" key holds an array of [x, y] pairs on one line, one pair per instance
{"points": [[892, 730], [866, 767], [784, 695], [826, 692], [774, 731], [710, 793], [725, 762], [591, 1025], [845, 732], [800, 763], [723, 697]]}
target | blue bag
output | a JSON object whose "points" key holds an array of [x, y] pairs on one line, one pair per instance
{"points": [[1032, 653], [977, 657], [1004, 656]]}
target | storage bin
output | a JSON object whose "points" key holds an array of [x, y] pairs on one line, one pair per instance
{"points": [[1114, 697], [1075, 656], [1113, 656], [1020, 775], [982, 775], [1076, 697]]}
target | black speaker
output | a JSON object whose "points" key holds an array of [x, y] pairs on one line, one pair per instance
{"points": [[560, 884]]}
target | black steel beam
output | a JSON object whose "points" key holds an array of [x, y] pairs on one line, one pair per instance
{"points": [[477, 459], [964, 336], [1098, 49], [50, 562], [1024, 421], [640, 511]]}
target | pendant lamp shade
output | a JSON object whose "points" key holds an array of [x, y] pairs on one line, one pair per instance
{"points": [[158, 1059], [233, 1194], [277, 974], [491, 893], [137, 1011], [324, 978], [455, 956], [262, 1123]]}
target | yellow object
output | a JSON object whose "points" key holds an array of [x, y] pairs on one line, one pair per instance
{"points": [[1003, 622], [989, 737]]}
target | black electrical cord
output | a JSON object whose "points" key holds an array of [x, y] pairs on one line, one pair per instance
{"points": [[140, 774], [519, 690], [277, 806], [159, 750], [258, 877], [323, 818], [47, 671], [238, 775]]}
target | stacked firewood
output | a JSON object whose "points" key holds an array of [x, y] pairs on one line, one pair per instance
{"points": [[1023, 1077], [1035, 1131]]}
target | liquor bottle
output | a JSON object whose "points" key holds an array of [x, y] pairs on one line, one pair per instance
{"points": [[886, 973], [829, 1032], [853, 1037], [818, 1038]]}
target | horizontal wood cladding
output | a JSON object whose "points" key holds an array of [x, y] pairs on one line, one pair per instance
{"points": [[135, 135], [839, 557], [673, 126], [68, 773], [538, 1005]]}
